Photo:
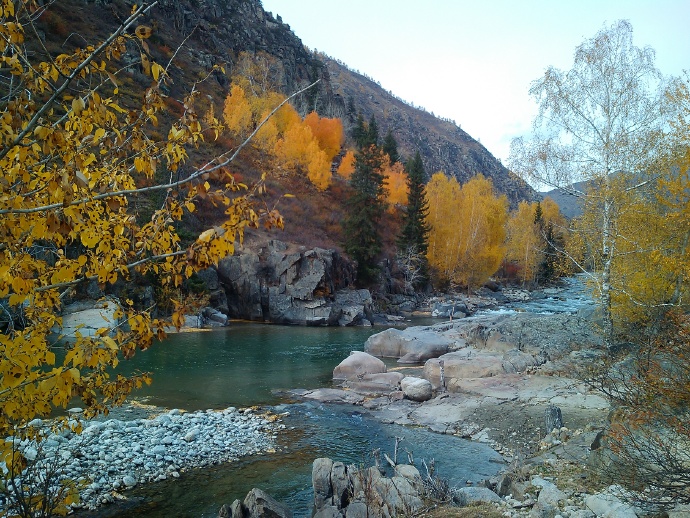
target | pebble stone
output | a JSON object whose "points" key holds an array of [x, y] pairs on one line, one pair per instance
{"points": [[114, 455]]}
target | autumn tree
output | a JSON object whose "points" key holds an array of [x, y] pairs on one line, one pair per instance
{"points": [[467, 230], [72, 156], [306, 145], [535, 240], [365, 208], [394, 183], [347, 165], [413, 241], [600, 122]]}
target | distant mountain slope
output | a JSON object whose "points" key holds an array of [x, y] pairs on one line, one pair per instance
{"points": [[202, 33], [569, 204], [442, 144]]}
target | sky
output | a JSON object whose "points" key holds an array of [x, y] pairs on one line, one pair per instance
{"points": [[473, 61]]}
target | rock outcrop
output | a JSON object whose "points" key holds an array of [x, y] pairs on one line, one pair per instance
{"points": [[291, 285], [341, 490], [413, 346]]}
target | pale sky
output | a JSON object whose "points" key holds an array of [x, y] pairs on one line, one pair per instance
{"points": [[473, 61]]}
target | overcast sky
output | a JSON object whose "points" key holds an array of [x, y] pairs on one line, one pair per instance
{"points": [[473, 61]]}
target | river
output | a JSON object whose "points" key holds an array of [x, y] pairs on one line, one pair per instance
{"points": [[248, 364]]}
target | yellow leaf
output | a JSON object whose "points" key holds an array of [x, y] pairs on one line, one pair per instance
{"points": [[143, 32], [78, 105], [156, 71]]}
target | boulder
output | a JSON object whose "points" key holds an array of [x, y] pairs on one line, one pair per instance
{"points": [[466, 363], [87, 317], [259, 504], [412, 345], [608, 505], [357, 365], [416, 389], [321, 481], [469, 495], [549, 494]]}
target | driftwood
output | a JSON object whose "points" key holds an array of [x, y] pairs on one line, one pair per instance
{"points": [[552, 419]]}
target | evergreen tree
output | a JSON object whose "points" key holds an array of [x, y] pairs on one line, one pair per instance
{"points": [[372, 134], [414, 236], [390, 147], [359, 132], [365, 207]]}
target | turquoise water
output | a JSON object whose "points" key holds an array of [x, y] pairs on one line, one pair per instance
{"points": [[244, 365]]}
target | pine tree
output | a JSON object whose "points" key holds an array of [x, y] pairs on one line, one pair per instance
{"points": [[390, 147], [365, 209], [359, 132], [414, 236], [372, 134]]}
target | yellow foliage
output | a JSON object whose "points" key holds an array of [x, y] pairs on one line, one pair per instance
{"points": [[525, 245], [307, 146], [70, 163], [467, 230], [347, 165], [395, 183], [328, 133], [237, 112]]}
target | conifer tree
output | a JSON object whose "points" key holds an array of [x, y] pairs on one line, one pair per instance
{"points": [[390, 147], [414, 236], [365, 207]]}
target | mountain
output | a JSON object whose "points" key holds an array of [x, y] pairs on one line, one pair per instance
{"points": [[222, 29], [443, 145], [198, 34], [569, 204]]}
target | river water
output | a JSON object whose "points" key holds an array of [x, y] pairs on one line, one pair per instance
{"points": [[248, 364]]}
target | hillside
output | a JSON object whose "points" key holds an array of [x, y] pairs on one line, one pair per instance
{"points": [[443, 145], [569, 204], [198, 34]]}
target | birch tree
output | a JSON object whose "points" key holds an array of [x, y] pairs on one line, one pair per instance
{"points": [[599, 122]]}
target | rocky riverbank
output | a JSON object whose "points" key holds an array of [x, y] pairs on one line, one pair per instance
{"points": [[495, 378], [113, 455]]}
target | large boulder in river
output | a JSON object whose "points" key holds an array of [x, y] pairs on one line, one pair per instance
{"points": [[357, 365], [288, 284], [87, 316], [416, 389], [412, 345]]}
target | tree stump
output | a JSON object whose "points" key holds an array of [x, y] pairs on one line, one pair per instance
{"points": [[552, 418]]}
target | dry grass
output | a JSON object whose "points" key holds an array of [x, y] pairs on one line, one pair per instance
{"points": [[482, 510]]}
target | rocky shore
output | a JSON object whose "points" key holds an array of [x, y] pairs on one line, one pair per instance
{"points": [[113, 455], [498, 379]]}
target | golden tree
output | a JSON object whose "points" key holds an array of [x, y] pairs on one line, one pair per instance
{"points": [[72, 155], [601, 122], [466, 241]]}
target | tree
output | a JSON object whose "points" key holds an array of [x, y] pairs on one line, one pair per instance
{"points": [[534, 237], [414, 234], [600, 122], [390, 147], [466, 240], [72, 156], [524, 241], [347, 165], [365, 207], [647, 440]]}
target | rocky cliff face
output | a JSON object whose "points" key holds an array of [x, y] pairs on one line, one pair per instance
{"points": [[290, 285]]}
